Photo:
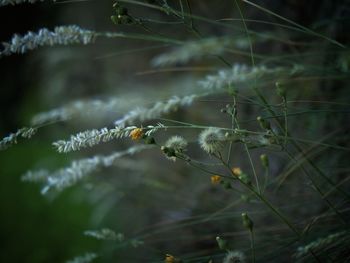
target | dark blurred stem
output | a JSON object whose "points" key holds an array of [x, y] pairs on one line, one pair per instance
{"points": [[252, 242]]}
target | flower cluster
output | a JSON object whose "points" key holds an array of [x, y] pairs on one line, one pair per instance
{"points": [[136, 134]]}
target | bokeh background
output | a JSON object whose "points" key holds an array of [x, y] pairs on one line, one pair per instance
{"points": [[147, 192]]}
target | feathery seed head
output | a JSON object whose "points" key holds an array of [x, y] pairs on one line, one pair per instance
{"points": [[211, 140], [177, 143], [234, 257], [174, 146]]}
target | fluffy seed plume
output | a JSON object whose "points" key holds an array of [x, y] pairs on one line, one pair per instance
{"points": [[177, 143], [234, 257], [211, 140], [174, 147]]}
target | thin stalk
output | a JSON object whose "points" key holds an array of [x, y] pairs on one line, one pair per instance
{"points": [[264, 200], [252, 243]]}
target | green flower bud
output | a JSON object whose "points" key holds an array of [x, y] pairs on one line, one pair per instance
{"points": [[247, 222], [244, 178], [222, 243], [281, 91], [245, 198], [264, 123], [264, 160]]}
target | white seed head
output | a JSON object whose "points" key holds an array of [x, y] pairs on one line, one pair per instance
{"points": [[211, 140], [234, 257], [177, 143]]}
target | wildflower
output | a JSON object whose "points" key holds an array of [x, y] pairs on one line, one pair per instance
{"points": [[171, 259], [236, 171], [215, 179], [211, 140], [136, 134], [234, 257]]}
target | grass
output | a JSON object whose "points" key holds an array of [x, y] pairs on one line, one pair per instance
{"points": [[276, 88]]}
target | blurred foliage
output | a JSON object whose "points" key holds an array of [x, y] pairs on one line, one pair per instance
{"points": [[167, 205]]}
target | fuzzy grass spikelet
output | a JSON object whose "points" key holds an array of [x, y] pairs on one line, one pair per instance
{"points": [[78, 108], [86, 258], [211, 140], [91, 138], [104, 234], [61, 35], [13, 137], [159, 109], [78, 170], [239, 74], [16, 2], [320, 243], [193, 50]]}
